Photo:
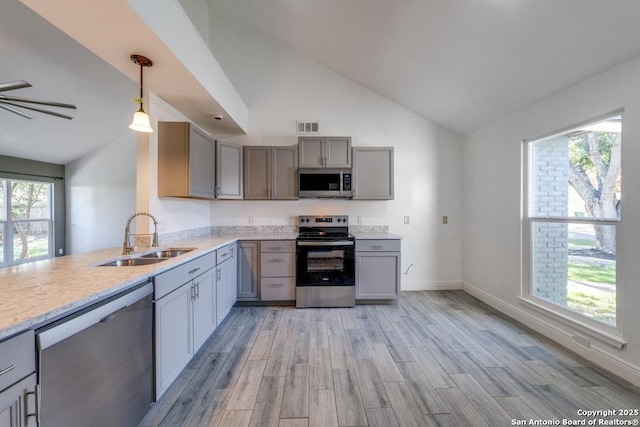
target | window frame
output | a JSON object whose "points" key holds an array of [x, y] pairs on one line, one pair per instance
{"points": [[608, 333], [9, 222]]}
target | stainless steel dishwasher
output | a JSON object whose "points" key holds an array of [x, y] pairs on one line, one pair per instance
{"points": [[96, 366]]}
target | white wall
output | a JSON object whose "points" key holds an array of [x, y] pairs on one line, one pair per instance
{"points": [[280, 87], [492, 207], [101, 194]]}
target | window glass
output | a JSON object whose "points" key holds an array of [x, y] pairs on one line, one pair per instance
{"points": [[27, 222], [577, 173], [574, 188]]}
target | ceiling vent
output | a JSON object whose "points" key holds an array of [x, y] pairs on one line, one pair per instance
{"points": [[307, 127]]}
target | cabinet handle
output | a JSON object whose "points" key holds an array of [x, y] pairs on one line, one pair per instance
{"points": [[224, 255], [376, 247], [218, 274], [276, 285], [194, 270], [197, 290], [276, 260], [275, 248], [9, 369], [193, 292], [36, 413]]}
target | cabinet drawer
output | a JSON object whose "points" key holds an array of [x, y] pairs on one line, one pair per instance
{"points": [[278, 264], [178, 276], [223, 254], [278, 246], [17, 358], [278, 289], [378, 245]]}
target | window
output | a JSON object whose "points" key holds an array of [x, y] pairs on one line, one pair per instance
{"points": [[573, 186], [26, 221]]}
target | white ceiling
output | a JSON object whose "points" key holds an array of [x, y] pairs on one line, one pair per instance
{"points": [[460, 63]]}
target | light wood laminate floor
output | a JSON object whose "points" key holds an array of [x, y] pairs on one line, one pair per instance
{"points": [[433, 358]]}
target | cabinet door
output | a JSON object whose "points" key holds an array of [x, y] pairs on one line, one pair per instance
{"points": [[337, 152], [204, 308], [311, 152], [257, 173], [284, 170], [174, 346], [222, 300], [373, 173], [232, 283], [201, 165], [15, 404], [377, 275], [248, 259], [228, 170]]}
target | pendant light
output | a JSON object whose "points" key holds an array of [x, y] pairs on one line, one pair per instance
{"points": [[140, 121]]}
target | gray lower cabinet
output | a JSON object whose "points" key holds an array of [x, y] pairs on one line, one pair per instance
{"points": [[232, 283], [248, 270], [185, 316], [225, 276], [324, 151], [373, 173], [377, 269], [277, 270], [186, 161], [270, 173], [18, 381], [17, 405], [229, 166]]}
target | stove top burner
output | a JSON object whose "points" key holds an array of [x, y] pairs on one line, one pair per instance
{"points": [[334, 227]]}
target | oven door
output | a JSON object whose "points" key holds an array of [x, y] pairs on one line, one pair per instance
{"points": [[325, 263]]}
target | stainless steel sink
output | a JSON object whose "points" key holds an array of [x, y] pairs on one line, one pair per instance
{"points": [[167, 253], [131, 262]]}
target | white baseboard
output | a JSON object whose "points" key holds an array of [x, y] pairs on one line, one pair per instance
{"points": [[599, 356], [431, 286]]}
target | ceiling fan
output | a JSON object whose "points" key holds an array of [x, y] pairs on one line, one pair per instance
{"points": [[12, 103]]}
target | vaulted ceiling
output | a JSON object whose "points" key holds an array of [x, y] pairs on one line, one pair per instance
{"points": [[460, 63]]}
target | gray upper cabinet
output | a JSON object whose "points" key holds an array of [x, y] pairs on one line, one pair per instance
{"points": [[186, 161], [270, 173], [324, 152], [373, 173], [228, 170]]}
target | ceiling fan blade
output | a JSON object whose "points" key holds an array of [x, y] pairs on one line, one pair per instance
{"points": [[53, 113], [37, 101], [18, 84], [18, 112]]}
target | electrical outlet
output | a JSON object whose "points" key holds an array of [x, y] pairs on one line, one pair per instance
{"points": [[445, 219], [407, 219], [250, 220], [582, 340]]}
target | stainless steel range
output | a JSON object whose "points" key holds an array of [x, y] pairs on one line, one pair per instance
{"points": [[325, 262]]}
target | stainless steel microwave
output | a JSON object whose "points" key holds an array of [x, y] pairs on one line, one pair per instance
{"points": [[325, 183]]}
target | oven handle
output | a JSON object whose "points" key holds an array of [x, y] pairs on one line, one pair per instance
{"points": [[338, 243]]}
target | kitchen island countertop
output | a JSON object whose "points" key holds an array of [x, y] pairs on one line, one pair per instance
{"points": [[40, 292]]}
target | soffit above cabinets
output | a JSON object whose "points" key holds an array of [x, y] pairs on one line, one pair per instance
{"points": [[185, 73]]}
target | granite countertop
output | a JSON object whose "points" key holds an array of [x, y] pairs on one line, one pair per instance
{"points": [[37, 293]]}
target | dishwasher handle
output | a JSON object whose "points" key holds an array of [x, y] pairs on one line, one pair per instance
{"points": [[66, 328]]}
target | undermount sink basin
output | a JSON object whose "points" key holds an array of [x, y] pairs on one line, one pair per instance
{"points": [[167, 253], [130, 262]]}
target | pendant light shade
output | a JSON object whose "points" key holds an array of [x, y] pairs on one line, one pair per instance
{"points": [[140, 121]]}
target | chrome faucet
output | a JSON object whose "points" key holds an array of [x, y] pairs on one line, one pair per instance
{"points": [[126, 247]]}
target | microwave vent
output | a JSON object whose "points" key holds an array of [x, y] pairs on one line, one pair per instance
{"points": [[307, 127]]}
